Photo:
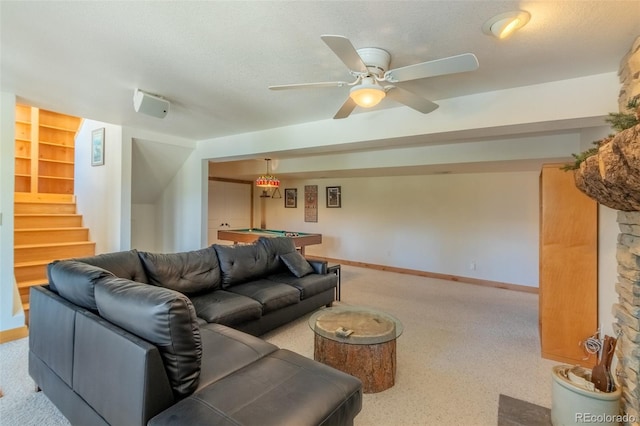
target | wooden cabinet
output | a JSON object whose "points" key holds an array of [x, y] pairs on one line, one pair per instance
{"points": [[568, 267], [45, 156]]}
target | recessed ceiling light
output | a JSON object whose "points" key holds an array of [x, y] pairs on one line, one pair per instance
{"points": [[505, 24]]}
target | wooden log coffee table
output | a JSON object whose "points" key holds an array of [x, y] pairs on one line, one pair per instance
{"points": [[360, 341]]}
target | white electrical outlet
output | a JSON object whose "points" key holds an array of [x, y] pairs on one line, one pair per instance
{"points": [[472, 265]]}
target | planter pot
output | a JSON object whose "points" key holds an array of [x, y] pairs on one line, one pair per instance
{"points": [[575, 405]]}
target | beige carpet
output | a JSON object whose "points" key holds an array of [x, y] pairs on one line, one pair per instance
{"points": [[462, 346]]}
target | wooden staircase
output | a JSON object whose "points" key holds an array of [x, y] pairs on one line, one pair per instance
{"points": [[46, 228], [46, 224]]}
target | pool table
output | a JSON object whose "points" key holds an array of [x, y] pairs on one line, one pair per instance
{"points": [[300, 239]]}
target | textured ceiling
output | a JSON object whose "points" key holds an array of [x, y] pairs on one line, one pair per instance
{"points": [[214, 59]]}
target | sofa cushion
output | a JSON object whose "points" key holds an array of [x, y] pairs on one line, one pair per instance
{"points": [[297, 264], [161, 316], [274, 248], [75, 281], [226, 308], [226, 350], [187, 272], [123, 264], [241, 263], [282, 388], [309, 285], [271, 295]]}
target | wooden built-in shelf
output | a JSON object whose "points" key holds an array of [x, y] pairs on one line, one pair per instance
{"points": [[55, 177], [45, 151], [61, 145]]}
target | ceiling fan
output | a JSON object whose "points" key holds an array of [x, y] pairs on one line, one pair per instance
{"points": [[370, 67]]}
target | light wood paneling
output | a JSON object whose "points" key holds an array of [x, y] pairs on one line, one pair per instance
{"points": [[13, 334], [44, 208], [46, 235], [23, 113], [59, 121], [44, 149], [568, 267], [46, 226], [32, 252], [25, 221], [31, 271], [28, 197]]}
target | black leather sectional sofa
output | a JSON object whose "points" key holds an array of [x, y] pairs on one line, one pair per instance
{"points": [[134, 338]]}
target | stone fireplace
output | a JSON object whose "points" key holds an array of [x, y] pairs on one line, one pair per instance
{"points": [[627, 311], [612, 177]]}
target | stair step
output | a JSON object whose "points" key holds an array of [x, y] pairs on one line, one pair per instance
{"points": [[46, 235], [44, 207], [24, 293], [39, 197], [36, 252], [26, 221], [28, 284], [29, 271]]}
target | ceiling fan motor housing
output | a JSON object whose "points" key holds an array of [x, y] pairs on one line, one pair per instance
{"points": [[377, 60]]}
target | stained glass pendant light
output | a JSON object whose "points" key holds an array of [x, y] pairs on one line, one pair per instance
{"points": [[268, 180]]}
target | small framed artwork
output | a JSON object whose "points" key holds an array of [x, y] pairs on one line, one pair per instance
{"points": [[291, 198], [334, 197], [97, 147]]}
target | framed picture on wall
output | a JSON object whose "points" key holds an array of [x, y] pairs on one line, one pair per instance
{"points": [[311, 203], [291, 198], [97, 147], [334, 197]]}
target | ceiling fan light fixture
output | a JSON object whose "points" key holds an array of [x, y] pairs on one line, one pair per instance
{"points": [[504, 25], [367, 94]]}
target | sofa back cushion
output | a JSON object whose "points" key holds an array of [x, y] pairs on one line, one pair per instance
{"points": [[75, 281], [123, 264], [241, 263], [275, 247], [188, 272], [161, 316]]}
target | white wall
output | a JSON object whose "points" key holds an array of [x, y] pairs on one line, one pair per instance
{"points": [[143, 227], [99, 189], [11, 314], [482, 115], [607, 267], [182, 221], [436, 223]]}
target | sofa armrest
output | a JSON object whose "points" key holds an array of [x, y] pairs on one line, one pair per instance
{"points": [[319, 266]]}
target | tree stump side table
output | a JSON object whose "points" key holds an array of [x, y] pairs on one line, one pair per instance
{"points": [[359, 341]]}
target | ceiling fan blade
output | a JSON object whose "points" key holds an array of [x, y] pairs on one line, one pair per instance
{"points": [[346, 108], [348, 54], [411, 100], [450, 65], [309, 85]]}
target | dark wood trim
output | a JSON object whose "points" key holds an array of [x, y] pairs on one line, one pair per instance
{"points": [[448, 277], [248, 182]]}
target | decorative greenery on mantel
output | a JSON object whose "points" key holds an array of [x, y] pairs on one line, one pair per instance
{"points": [[619, 121]]}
